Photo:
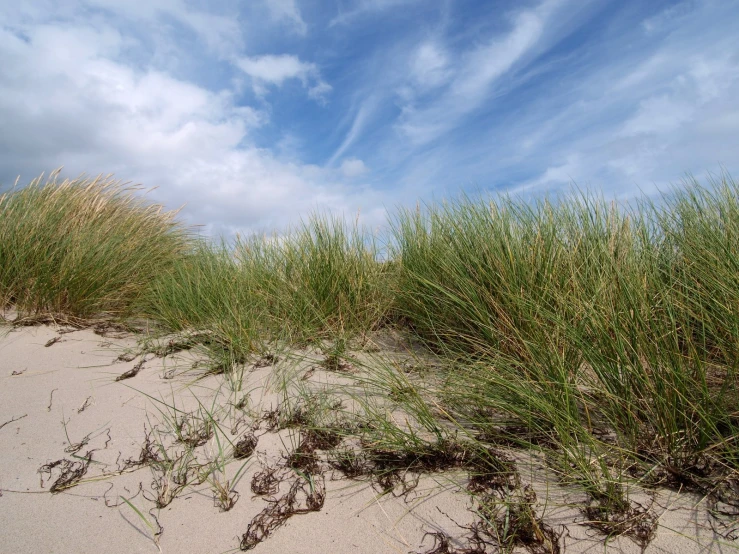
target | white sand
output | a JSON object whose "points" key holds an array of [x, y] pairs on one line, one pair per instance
{"points": [[67, 391]]}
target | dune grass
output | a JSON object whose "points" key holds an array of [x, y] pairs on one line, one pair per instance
{"points": [[321, 282], [603, 332], [605, 335], [82, 248]]}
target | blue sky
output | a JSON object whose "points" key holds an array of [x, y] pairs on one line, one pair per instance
{"points": [[253, 114]]}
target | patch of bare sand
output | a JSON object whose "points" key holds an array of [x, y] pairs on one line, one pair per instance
{"points": [[63, 402]]}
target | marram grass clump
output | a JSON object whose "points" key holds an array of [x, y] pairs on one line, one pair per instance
{"points": [[323, 279], [319, 282], [82, 248], [579, 319]]}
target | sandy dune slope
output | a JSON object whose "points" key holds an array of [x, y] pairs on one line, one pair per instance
{"points": [[65, 416]]}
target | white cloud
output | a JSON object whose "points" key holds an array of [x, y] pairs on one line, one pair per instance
{"points": [[288, 9], [70, 103], [714, 75], [353, 167], [555, 176], [430, 66], [319, 91], [221, 33], [276, 69], [658, 114]]}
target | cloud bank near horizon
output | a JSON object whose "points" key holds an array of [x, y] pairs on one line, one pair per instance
{"points": [[255, 116]]}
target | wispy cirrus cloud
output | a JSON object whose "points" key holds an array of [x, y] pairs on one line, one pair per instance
{"points": [[362, 116], [646, 121], [288, 10], [476, 71], [525, 110], [430, 66], [357, 8]]}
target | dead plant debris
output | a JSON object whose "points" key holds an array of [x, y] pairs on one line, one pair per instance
{"points": [[266, 482], [69, 472], [87, 403], [304, 457], [76, 447], [626, 518], [51, 399], [242, 403], [109, 329], [351, 463], [12, 420], [336, 363], [133, 372], [175, 345], [245, 446], [193, 431], [265, 361], [506, 521], [308, 373], [304, 496], [272, 419], [149, 454], [44, 319]]}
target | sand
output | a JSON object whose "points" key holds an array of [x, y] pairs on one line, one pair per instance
{"points": [[65, 397]]}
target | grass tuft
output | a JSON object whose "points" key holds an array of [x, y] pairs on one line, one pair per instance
{"points": [[82, 248]]}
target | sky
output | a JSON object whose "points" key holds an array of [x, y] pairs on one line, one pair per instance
{"points": [[254, 114]]}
